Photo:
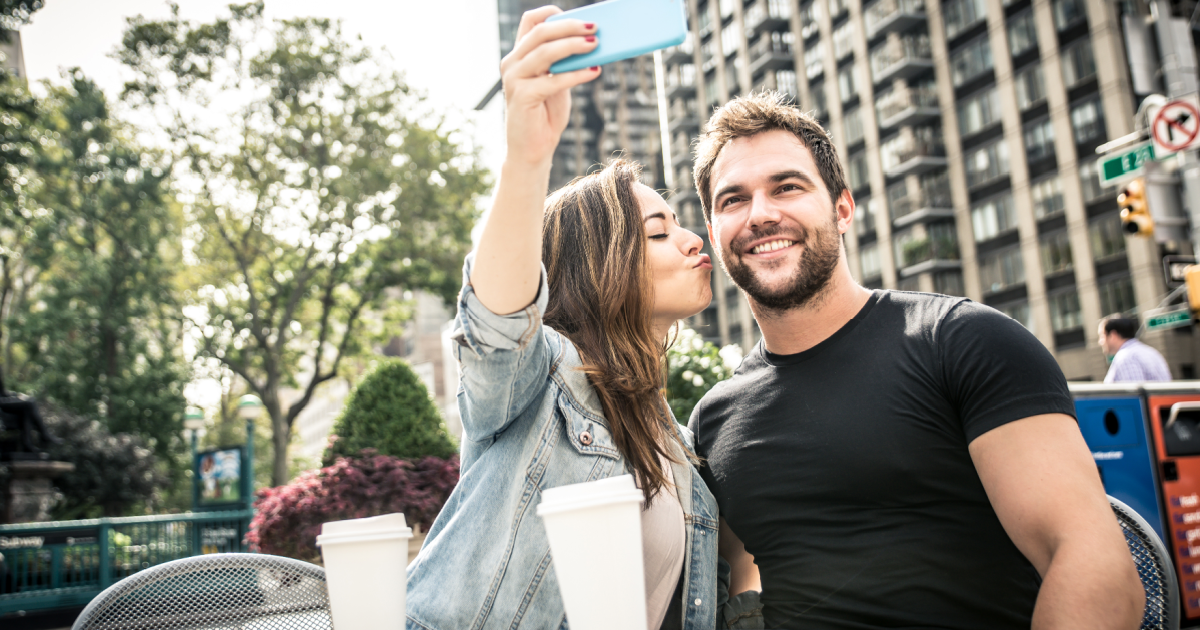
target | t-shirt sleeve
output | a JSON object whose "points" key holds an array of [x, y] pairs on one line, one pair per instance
{"points": [[996, 371]]}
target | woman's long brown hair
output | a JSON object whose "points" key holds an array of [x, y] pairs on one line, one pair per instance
{"points": [[601, 298]]}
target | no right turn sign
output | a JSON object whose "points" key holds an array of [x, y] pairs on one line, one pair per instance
{"points": [[1175, 126]]}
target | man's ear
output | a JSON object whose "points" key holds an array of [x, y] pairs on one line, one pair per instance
{"points": [[845, 211], [712, 241]]}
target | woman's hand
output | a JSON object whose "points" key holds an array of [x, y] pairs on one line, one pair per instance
{"points": [[538, 104]]}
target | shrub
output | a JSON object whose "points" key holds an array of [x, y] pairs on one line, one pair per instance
{"points": [[390, 411], [693, 367], [289, 517]]}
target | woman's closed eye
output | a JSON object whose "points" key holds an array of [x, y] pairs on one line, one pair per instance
{"points": [[658, 237]]}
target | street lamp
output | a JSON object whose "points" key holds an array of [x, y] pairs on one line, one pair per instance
{"points": [[193, 421], [249, 408]]}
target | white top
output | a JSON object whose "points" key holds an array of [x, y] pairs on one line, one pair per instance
{"points": [[663, 540], [1137, 362]]}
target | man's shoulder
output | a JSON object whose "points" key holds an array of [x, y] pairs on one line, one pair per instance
{"points": [[725, 393]]}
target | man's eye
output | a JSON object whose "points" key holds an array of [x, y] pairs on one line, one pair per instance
{"points": [[728, 200]]}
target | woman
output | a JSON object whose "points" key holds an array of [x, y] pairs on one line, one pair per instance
{"points": [[562, 371]]}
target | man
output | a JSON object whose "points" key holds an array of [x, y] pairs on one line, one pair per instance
{"points": [[1132, 360], [885, 459]]}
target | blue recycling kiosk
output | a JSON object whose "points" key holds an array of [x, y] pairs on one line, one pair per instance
{"points": [[1113, 421]]}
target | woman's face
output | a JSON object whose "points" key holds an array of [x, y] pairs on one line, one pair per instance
{"points": [[679, 272]]}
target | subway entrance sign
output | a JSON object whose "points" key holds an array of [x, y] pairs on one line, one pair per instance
{"points": [[1127, 164], [1159, 319]]}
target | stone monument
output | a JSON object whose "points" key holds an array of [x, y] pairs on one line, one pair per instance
{"points": [[26, 469]]}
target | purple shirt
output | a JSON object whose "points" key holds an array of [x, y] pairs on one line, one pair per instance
{"points": [[1137, 362]]}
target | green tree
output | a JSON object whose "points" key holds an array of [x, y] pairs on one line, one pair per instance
{"points": [[693, 367], [317, 186], [97, 326], [390, 411]]}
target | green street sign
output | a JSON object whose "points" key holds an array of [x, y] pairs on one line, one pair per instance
{"points": [[1127, 164], [1158, 320]]}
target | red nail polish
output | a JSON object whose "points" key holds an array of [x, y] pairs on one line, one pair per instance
{"points": [[590, 25], [590, 38], [594, 68]]}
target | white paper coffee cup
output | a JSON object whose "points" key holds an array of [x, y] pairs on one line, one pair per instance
{"points": [[595, 532], [365, 561]]}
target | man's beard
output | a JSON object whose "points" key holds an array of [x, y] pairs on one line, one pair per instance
{"points": [[822, 250]]}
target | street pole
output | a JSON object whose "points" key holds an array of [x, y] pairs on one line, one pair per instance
{"points": [[1179, 73]]}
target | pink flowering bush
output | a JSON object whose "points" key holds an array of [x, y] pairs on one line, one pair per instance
{"points": [[289, 517]]}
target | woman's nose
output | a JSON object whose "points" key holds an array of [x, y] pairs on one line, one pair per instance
{"points": [[692, 243]]}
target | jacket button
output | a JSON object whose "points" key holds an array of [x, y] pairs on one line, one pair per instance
{"points": [[585, 438], [697, 601]]}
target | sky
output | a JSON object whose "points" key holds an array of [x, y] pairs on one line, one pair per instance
{"points": [[449, 49]]}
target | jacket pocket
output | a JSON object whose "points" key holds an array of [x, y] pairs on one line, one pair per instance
{"points": [[586, 433]]}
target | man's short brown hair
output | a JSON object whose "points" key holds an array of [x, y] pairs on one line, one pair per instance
{"points": [[756, 113]]}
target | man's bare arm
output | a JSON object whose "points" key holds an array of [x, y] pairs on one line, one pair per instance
{"points": [[1042, 482], [743, 573]]}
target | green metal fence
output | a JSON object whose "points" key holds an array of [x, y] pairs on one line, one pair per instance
{"points": [[65, 564]]}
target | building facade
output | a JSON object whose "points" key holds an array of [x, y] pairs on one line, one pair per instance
{"points": [[617, 115], [968, 130]]}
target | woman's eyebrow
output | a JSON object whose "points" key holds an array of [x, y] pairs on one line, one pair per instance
{"points": [[656, 215]]}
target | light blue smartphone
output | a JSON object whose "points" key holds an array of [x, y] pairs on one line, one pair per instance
{"points": [[626, 28]]}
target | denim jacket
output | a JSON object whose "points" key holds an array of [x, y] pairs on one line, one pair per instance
{"points": [[531, 421]]}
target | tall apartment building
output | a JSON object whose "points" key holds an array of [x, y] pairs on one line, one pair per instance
{"points": [[614, 115], [968, 131]]}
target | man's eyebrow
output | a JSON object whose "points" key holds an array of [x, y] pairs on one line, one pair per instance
{"points": [[732, 188], [785, 175]]}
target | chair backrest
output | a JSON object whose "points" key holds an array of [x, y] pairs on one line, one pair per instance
{"points": [[1154, 567], [218, 590]]}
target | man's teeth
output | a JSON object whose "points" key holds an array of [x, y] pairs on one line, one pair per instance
{"points": [[771, 246]]}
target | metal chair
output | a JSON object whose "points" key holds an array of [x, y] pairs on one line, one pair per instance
{"points": [[1154, 567], [230, 590]]}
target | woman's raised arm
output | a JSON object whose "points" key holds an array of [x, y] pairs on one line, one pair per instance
{"points": [[538, 106]]}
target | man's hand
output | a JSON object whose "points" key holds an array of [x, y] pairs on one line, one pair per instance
{"points": [[743, 573], [1043, 485]]}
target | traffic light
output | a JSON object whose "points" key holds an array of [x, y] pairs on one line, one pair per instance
{"points": [[1135, 211], [1191, 276]]}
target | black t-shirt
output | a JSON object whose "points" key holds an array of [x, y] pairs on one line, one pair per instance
{"points": [[844, 469]]}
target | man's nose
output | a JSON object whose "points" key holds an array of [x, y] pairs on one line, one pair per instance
{"points": [[762, 211]]}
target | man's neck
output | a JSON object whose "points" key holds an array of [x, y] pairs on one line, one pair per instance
{"points": [[799, 329]]}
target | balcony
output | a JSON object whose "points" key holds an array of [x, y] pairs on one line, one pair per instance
{"points": [[918, 156], [768, 17], [904, 59], [680, 54], [770, 53], [681, 81], [681, 153], [907, 108], [929, 205], [888, 16], [688, 122], [929, 254]]}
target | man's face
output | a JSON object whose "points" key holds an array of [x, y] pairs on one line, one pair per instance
{"points": [[773, 225], [1109, 342]]}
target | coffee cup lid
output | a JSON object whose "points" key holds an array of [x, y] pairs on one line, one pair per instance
{"points": [[590, 494], [385, 525]]}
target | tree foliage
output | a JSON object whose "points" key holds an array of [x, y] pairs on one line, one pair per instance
{"points": [[693, 367], [288, 518], [94, 323], [391, 412], [114, 472], [315, 184]]}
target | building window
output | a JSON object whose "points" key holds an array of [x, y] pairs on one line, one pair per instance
{"points": [[993, 217], [1087, 120], [816, 91], [785, 81], [971, 61], [810, 19], [814, 60], [959, 15], [1022, 34], [729, 39], [726, 7], [948, 283], [1031, 86], [1047, 197], [852, 125], [1064, 311], [1039, 140], [837, 7], [1078, 64], [864, 216], [1116, 295], [1067, 13], [1089, 177], [1001, 270], [856, 171], [1108, 239], [911, 284], [898, 200], [843, 39], [1019, 311], [1056, 252], [849, 82], [868, 256], [900, 241], [978, 111], [987, 163]]}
